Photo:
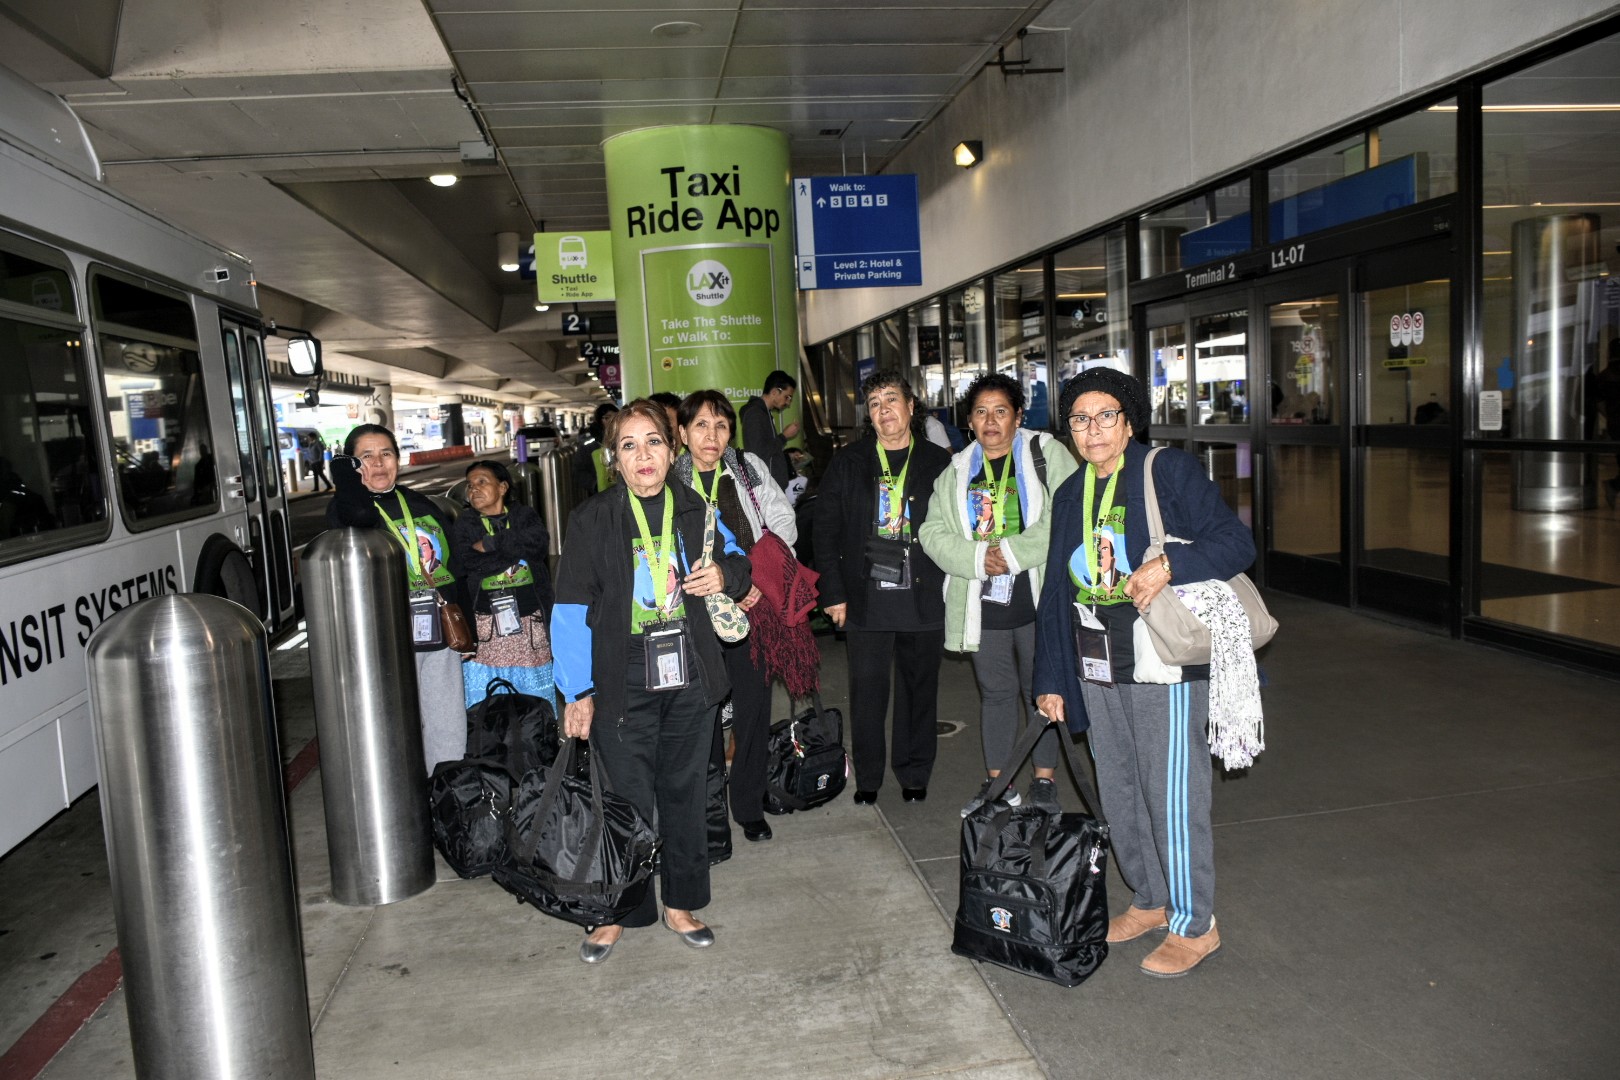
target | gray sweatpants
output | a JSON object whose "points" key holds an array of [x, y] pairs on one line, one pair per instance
{"points": [[443, 706], [1153, 769], [1004, 666]]}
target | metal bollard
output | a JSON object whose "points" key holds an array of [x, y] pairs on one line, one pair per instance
{"points": [[372, 777], [196, 824]]}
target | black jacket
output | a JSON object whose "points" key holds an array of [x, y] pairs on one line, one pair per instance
{"points": [[759, 436], [519, 534], [845, 506], [354, 505], [595, 580]]}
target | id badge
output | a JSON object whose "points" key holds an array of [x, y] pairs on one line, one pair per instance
{"points": [[666, 656], [998, 590], [426, 632], [504, 608], [1092, 649], [905, 573]]}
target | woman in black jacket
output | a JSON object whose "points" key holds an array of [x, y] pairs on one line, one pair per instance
{"points": [[638, 661], [882, 589], [502, 548], [366, 495]]}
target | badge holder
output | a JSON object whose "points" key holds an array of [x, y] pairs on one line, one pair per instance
{"points": [[504, 608], [426, 630], [667, 656], [1092, 650], [998, 590], [888, 562]]}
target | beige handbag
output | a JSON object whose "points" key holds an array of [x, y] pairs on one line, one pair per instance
{"points": [[1178, 637], [730, 622]]}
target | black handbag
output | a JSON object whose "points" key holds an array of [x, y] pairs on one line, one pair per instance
{"points": [[577, 852], [719, 818], [468, 804], [805, 761], [1033, 889]]}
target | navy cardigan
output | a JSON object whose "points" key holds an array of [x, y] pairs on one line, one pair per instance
{"points": [[1222, 547]]}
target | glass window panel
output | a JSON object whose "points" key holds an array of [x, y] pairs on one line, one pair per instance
{"points": [[1383, 168], [1168, 345], [156, 406], [968, 328], [24, 280], [239, 411], [1554, 572], [263, 412], [1231, 467], [1305, 501], [927, 354], [1221, 366], [1021, 337], [1215, 225], [1551, 308], [1406, 519], [1304, 369], [1408, 353], [891, 347], [51, 491], [1092, 324]]}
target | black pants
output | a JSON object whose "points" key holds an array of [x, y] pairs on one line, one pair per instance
{"points": [[658, 758], [873, 657], [750, 732]]}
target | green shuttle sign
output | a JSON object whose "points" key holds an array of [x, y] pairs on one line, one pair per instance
{"points": [[574, 267]]}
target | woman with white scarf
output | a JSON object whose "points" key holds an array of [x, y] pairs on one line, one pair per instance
{"points": [[987, 529]]}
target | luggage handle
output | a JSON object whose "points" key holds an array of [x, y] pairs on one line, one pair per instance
{"points": [[1026, 746], [482, 709], [554, 776]]}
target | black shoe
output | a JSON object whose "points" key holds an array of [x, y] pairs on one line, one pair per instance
{"points": [[914, 794], [865, 798], [756, 830]]}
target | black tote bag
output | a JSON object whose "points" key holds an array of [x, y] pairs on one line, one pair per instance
{"points": [[577, 852], [1033, 894], [805, 761]]}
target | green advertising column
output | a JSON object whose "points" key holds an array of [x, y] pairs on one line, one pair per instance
{"points": [[703, 259]]}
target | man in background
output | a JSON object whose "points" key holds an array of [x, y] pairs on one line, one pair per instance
{"points": [[757, 420]]}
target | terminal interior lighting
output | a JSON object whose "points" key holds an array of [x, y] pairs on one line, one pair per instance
{"points": [[969, 153], [506, 249], [443, 179]]}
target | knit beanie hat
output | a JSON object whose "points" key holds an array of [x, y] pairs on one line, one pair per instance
{"points": [[1123, 388]]}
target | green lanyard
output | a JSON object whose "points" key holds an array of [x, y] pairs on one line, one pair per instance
{"points": [[409, 542], [1102, 512], [666, 558], [999, 491], [713, 495], [895, 482]]}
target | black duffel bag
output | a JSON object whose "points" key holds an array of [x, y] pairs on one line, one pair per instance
{"points": [[1033, 891], [468, 803], [805, 761], [577, 851], [719, 818], [514, 728]]}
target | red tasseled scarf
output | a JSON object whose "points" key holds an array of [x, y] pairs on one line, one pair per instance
{"points": [[784, 652]]}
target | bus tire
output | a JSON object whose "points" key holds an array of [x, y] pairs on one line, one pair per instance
{"points": [[222, 570]]}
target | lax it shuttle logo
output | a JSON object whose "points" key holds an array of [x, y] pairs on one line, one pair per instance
{"points": [[708, 282]]}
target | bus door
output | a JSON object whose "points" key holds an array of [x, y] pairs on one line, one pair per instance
{"points": [[258, 471]]}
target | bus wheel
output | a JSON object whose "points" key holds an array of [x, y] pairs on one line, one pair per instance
{"points": [[222, 570]]}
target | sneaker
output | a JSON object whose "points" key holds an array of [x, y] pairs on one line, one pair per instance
{"points": [[1043, 796], [1010, 797]]}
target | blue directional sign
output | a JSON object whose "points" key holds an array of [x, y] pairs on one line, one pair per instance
{"points": [[857, 232]]}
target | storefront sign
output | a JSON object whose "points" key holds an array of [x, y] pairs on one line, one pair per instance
{"points": [[574, 267]]}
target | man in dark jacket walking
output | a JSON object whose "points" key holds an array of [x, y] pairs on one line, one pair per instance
{"points": [[759, 434]]}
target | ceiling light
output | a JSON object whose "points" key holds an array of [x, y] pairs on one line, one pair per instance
{"points": [[542, 307], [678, 28], [506, 250], [443, 179], [968, 154]]}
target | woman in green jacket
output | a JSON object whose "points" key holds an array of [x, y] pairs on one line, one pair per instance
{"points": [[987, 529]]}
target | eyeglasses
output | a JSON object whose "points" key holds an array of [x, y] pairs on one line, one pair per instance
{"points": [[1104, 420]]}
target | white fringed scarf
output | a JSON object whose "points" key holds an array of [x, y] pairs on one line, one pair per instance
{"points": [[1237, 731]]}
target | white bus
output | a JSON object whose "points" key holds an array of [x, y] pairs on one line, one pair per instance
{"points": [[138, 450]]}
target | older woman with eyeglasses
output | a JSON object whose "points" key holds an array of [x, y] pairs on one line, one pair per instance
{"points": [[1148, 739]]}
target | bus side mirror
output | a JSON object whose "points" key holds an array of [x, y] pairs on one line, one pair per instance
{"points": [[304, 356]]}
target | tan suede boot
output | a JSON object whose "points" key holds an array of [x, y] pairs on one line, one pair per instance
{"points": [[1179, 955], [1134, 923]]}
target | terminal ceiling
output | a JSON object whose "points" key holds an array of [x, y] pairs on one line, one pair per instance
{"points": [[300, 133]]}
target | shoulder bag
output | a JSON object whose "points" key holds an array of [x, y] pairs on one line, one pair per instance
{"points": [[1178, 637], [730, 622]]}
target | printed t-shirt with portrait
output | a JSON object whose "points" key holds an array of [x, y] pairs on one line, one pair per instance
{"points": [[426, 561], [644, 606], [1106, 595], [982, 513], [514, 576], [891, 517]]}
